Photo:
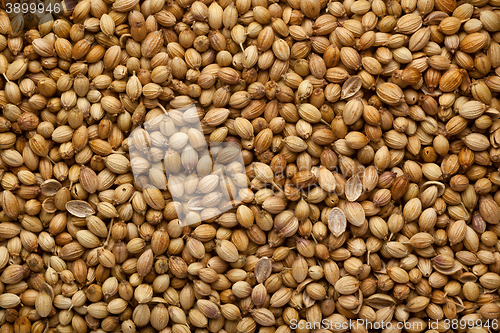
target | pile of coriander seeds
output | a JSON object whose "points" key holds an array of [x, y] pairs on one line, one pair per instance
{"points": [[338, 165]]}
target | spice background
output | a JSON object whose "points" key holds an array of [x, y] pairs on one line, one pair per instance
{"points": [[239, 166]]}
